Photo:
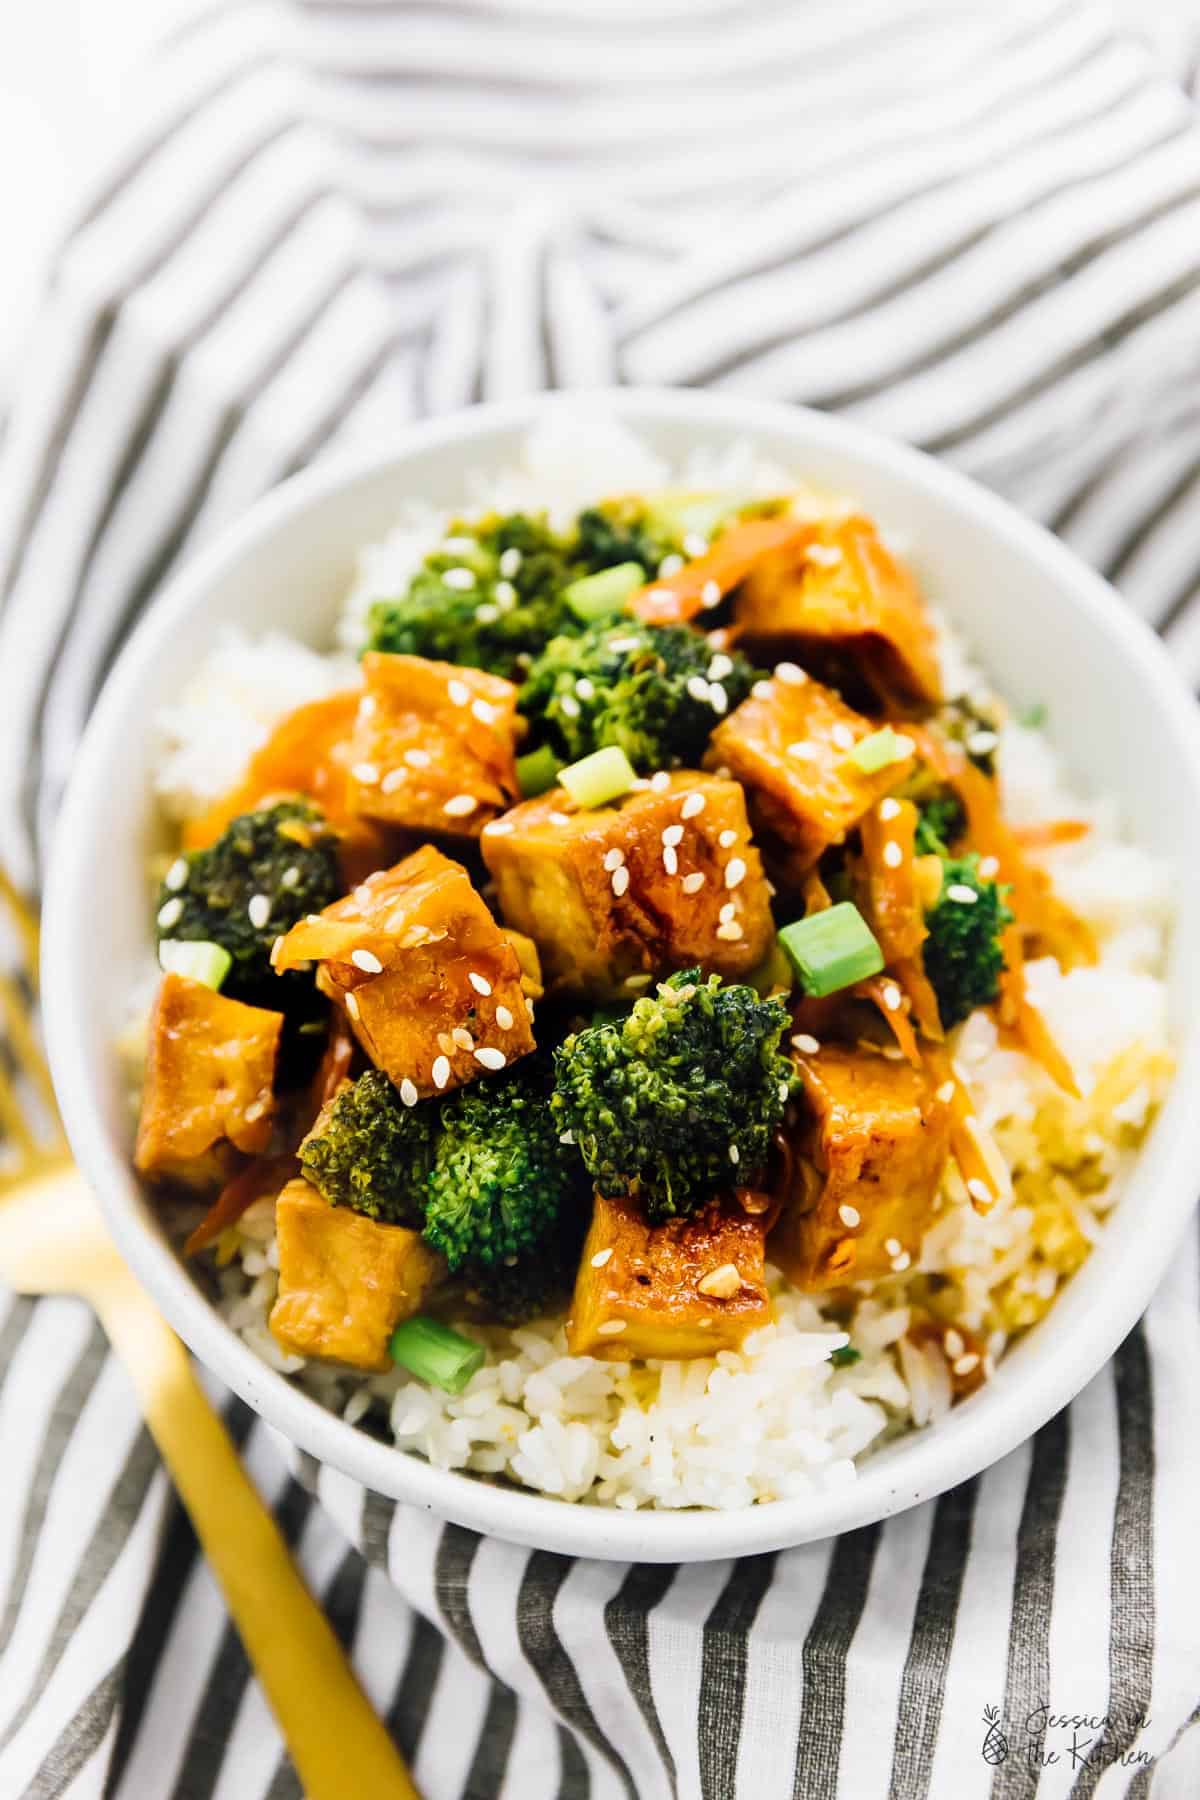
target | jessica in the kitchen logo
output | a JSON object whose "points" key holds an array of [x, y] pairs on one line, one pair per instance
{"points": [[1080, 1740]]}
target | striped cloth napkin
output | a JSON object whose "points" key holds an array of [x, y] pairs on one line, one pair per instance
{"points": [[978, 228]]}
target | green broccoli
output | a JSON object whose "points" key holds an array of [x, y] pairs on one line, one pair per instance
{"points": [[373, 1153], [514, 570], [962, 953], [941, 820], [617, 534], [679, 1100], [265, 872], [655, 691]]}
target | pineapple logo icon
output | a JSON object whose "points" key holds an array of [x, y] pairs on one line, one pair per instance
{"points": [[995, 1744]]}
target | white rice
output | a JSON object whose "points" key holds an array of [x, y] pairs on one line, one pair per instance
{"points": [[774, 1419]]}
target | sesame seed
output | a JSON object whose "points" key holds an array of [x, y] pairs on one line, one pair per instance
{"points": [[367, 961], [459, 692], [498, 828], [692, 884], [843, 737], [893, 1246], [718, 699], [558, 818], [459, 805], [964, 895], [169, 912], [735, 872], [484, 711], [673, 834], [620, 881], [290, 877], [762, 690], [889, 810], [585, 689], [979, 1190], [367, 706], [487, 614], [395, 778], [730, 932], [891, 997], [176, 876], [491, 1059], [463, 1038], [720, 1284], [710, 595], [566, 1137], [620, 645], [695, 543], [408, 1092], [720, 666], [826, 556], [849, 1215], [479, 983], [459, 546], [954, 1342], [601, 1257], [670, 859], [504, 1018], [463, 580], [784, 1090], [791, 673], [697, 687], [670, 565], [693, 805], [735, 1155], [352, 1005], [663, 594], [808, 1046], [963, 1365], [510, 562], [441, 1071], [893, 855], [982, 743], [989, 866], [727, 839], [610, 1328], [506, 596], [258, 910], [569, 705], [727, 911], [901, 1262], [945, 1093], [613, 859], [417, 759]]}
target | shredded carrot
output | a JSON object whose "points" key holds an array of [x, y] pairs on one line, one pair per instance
{"points": [[265, 1175], [891, 901], [965, 1130], [676, 599], [895, 1017], [1050, 832], [305, 754]]}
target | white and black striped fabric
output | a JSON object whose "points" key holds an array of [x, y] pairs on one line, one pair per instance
{"points": [[977, 227]]}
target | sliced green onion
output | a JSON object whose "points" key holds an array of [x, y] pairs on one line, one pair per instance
{"points": [[831, 950], [434, 1353], [845, 1356], [537, 770], [596, 779], [880, 749], [596, 596], [687, 515], [200, 961]]}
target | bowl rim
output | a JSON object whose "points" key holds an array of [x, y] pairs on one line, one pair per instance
{"points": [[1029, 1387]]}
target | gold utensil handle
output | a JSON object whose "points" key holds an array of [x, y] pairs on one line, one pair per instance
{"points": [[335, 1740]]}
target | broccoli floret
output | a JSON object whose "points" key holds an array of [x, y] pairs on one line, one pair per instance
{"points": [[649, 689], [678, 1101], [941, 820], [514, 604], [501, 1178], [963, 958], [373, 1152], [608, 536], [266, 871]]}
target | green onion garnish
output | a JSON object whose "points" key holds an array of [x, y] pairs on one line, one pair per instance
{"points": [[434, 1353], [880, 749], [596, 779], [844, 1356], [199, 961], [537, 770], [596, 596], [685, 515], [831, 950]]}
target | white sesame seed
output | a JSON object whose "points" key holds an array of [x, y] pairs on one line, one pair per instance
{"points": [[893, 855], [601, 1257], [964, 895], [673, 834], [176, 876], [259, 910], [692, 884], [504, 1018], [694, 543], [693, 805], [730, 932], [441, 1071], [710, 595], [489, 1058], [660, 782], [569, 705], [479, 983], [718, 699], [762, 690], [662, 594], [727, 839], [169, 912], [901, 1262], [463, 1038], [367, 706], [610, 1328], [559, 818], [849, 1215], [619, 645], [945, 1093], [367, 961], [620, 881], [697, 687], [417, 759], [791, 673], [801, 751], [982, 743], [498, 828], [979, 1190], [408, 1092], [459, 546], [891, 997], [963, 1365], [670, 565], [735, 1155], [727, 911], [395, 778], [290, 877], [352, 1005], [484, 711], [889, 810], [953, 1342], [893, 1246], [566, 1137], [613, 859], [784, 1090], [510, 562], [487, 614], [842, 736], [463, 580], [506, 596], [735, 872], [459, 692], [808, 1046], [720, 1284], [989, 866], [826, 556], [670, 859], [720, 666], [459, 805], [585, 689]]}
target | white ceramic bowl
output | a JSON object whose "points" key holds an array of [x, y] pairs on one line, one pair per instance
{"points": [[1046, 628]]}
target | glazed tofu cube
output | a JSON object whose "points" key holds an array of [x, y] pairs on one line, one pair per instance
{"points": [[688, 1288], [844, 606], [433, 746], [345, 1281], [873, 1149], [789, 742], [663, 878], [210, 1066], [431, 985]]}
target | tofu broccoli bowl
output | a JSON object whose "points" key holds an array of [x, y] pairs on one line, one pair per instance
{"points": [[631, 1007]]}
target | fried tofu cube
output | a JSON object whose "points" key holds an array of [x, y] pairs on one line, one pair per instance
{"points": [[431, 985], [873, 1148], [789, 743], [434, 745], [663, 878], [345, 1281], [842, 604], [687, 1288], [210, 1067]]}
